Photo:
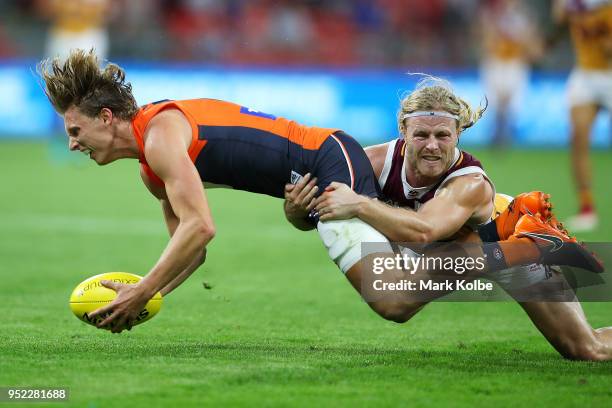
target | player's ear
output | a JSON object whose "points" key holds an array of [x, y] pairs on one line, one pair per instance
{"points": [[106, 115]]}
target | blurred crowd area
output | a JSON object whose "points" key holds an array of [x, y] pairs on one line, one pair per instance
{"points": [[335, 33]]}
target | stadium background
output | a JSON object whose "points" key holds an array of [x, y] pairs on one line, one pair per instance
{"points": [[280, 325]]}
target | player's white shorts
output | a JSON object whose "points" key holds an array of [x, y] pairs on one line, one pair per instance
{"points": [[585, 87], [505, 79], [343, 239]]}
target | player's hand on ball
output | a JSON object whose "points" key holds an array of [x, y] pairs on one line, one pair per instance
{"points": [[124, 310], [91, 295], [338, 202], [299, 197]]}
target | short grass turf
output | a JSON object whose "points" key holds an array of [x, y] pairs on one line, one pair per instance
{"points": [[279, 325]]}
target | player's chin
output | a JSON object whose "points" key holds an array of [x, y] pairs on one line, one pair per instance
{"points": [[432, 168], [102, 161]]}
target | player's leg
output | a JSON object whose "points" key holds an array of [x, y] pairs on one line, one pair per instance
{"points": [[384, 288], [501, 134], [560, 318], [567, 330], [583, 90], [357, 249], [492, 72], [563, 323], [582, 118], [395, 291], [513, 78], [394, 305]]}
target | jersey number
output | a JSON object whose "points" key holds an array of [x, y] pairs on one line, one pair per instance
{"points": [[248, 111]]}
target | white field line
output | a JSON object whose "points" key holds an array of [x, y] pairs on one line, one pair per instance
{"points": [[81, 224]]}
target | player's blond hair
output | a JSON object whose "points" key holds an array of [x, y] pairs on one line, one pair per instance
{"points": [[436, 94], [80, 81]]}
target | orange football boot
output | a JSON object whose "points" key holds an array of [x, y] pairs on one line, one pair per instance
{"points": [[556, 246], [527, 203]]}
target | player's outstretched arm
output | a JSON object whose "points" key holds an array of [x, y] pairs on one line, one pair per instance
{"points": [[166, 145], [172, 222], [167, 141], [461, 199]]}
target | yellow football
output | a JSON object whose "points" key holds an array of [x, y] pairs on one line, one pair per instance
{"points": [[90, 295]]}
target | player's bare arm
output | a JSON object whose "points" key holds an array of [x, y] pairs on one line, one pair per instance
{"points": [[463, 199], [172, 223], [166, 144]]}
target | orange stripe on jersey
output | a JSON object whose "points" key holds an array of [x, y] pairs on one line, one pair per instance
{"points": [[459, 161]]}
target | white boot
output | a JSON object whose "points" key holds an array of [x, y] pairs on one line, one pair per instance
{"points": [[583, 222]]}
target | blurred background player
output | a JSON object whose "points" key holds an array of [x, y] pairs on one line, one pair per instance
{"points": [[589, 90], [510, 41], [76, 24]]}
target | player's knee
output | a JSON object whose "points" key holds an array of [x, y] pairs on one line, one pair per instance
{"points": [[398, 312]]}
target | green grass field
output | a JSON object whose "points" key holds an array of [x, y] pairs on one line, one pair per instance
{"points": [[280, 326]]}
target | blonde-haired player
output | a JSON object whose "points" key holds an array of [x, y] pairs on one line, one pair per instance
{"points": [[589, 90], [444, 194]]}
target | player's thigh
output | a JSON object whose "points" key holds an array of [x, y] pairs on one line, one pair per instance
{"points": [[394, 303], [582, 118], [359, 251], [584, 98]]}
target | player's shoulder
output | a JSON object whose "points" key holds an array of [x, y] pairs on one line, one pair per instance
{"points": [[472, 187], [467, 159], [170, 116], [168, 123], [377, 155]]}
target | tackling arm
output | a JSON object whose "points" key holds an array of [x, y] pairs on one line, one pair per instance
{"points": [[461, 199]]}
